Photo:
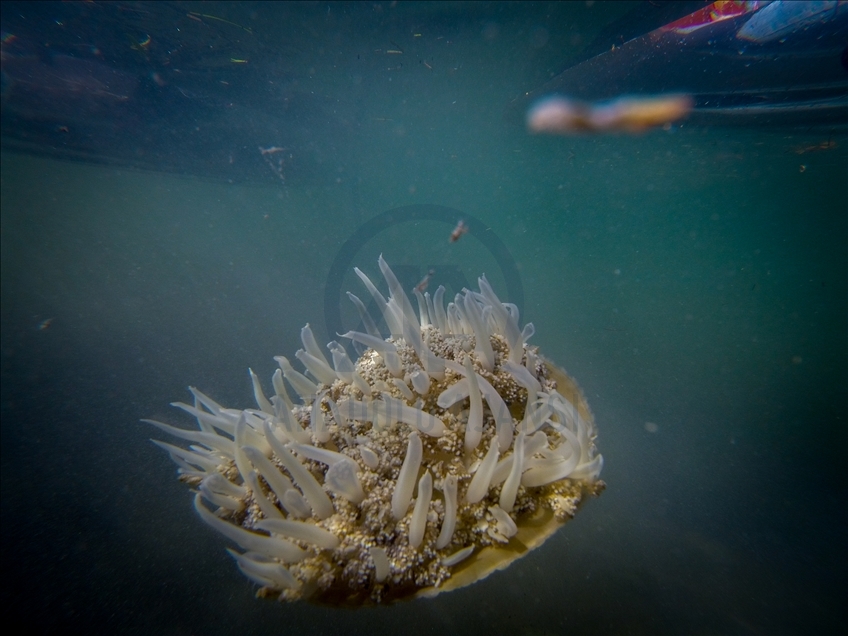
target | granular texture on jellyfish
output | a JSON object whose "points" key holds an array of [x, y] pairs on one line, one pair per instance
{"points": [[444, 453]]}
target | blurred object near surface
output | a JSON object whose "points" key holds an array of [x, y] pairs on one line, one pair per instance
{"points": [[563, 116], [167, 87], [744, 63]]}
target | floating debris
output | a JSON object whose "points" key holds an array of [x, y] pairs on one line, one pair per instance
{"points": [[564, 116]]}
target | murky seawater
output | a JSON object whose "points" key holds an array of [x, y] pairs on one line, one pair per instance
{"points": [[693, 281]]}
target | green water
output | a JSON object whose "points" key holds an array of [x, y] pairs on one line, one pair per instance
{"points": [[694, 282]]}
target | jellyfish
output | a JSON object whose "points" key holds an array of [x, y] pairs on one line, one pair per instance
{"points": [[445, 452]]}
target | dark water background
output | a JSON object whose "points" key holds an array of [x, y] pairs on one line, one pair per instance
{"points": [[695, 279]]}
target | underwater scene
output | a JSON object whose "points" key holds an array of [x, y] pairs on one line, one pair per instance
{"points": [[412, 317]]}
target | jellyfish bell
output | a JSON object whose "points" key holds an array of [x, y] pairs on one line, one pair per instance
{"points": [[444, 453], [561, 502]]}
